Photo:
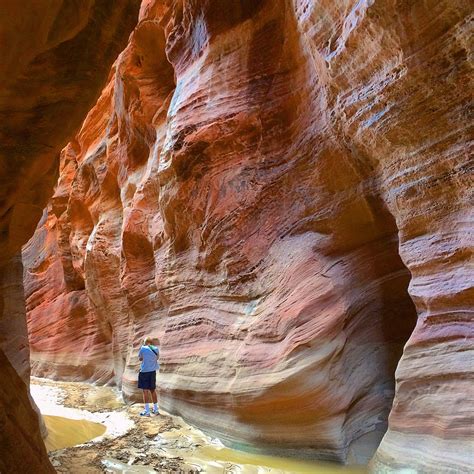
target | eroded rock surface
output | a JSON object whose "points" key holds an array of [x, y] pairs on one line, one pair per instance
{"points": [[56, 57], [280, 190]]}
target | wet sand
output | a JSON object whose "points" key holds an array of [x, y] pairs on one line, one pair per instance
{"points": [[116, 439]]}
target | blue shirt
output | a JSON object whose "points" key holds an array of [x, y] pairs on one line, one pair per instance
{"points": [[149, 358]]}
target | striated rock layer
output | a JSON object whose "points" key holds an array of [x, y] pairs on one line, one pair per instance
{"points": [[280, 190], [56, 56]]}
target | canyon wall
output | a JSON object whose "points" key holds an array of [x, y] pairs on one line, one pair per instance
{"points": [[281, 191], [56, 57]]}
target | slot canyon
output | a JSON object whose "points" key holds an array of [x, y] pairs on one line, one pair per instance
{"points": [[280, 190]]}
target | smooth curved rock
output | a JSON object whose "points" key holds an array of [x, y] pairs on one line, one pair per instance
{"points": [[56, 56], [276, 189]]}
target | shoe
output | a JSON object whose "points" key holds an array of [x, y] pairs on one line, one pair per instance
{"points": [[145, 413], [155, 412]]}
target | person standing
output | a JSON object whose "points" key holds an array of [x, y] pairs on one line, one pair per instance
{"points": [[148, 355]]}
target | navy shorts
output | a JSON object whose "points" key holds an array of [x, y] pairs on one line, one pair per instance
{"points": [[147, 380]]}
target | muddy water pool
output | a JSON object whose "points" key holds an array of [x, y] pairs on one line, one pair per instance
{"points": [[66, 432]]}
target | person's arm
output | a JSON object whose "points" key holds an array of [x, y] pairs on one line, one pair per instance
{"points": [[140, 355]]}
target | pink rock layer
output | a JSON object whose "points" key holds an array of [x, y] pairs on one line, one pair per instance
{"points": [[56, 56], [280, 191]]}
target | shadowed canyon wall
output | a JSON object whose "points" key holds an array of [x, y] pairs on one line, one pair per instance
{"points": [[281, 191], [56, 57]]}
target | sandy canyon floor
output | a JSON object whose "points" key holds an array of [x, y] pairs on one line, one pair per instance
{"points": [[91, 430]]}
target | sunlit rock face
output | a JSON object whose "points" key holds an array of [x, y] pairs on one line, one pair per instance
{"points": [[56, 57], [280, 191]]}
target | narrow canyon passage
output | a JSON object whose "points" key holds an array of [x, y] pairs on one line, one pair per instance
{"points": [[279, 190]]}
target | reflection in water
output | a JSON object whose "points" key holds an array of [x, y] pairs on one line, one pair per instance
{"points": [[65, 432], [218, 460], [214, 459], [105, 398], [202, 454]]}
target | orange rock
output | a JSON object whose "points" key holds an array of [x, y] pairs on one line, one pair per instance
{"points": [[55, 60], [277, 189]]}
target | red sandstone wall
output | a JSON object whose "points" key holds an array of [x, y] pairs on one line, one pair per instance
{"points": [[278, 189], [56, 56]]}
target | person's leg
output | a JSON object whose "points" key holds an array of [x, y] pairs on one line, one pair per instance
{"points": [[149, 397], [155, 401], [146, 399], [154, 395], [142, 385]]}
